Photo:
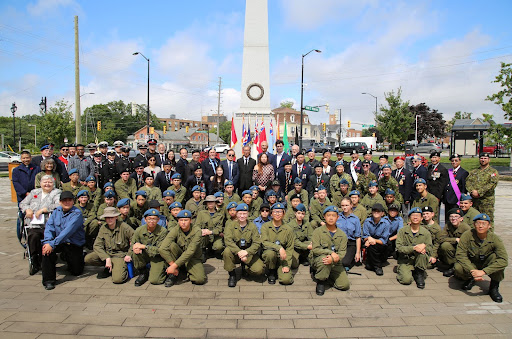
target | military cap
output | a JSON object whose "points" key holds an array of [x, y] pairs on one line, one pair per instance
{"points": [[231, 205], [176, 176], [197, 167], [254, 188], [389, 191], [354, 151], [288, 163], [278, 206], [484, 155], [203, 189], [366, 162], [184, 214], [123, 202], [427, 209], [209, 198], [138, 165], [72, 171], [271, 193], [383, 156], [297, 180], [339, 150], [111, 152], [141, 192], [368, 151], [419, 181], [399, 158], [326, 151], [82, 192], [295, 196], [218, 195], [63, 145], [386, 166], [354, 192], [143, 146], [299, 153], [264, 205], [109, 194], [276, 183], [435, 154], [152, 142], [340, 163], [414, 210], [454, 155], [394, 207], [168, 193], [153, 203], [464, 197], [343, 181], [125, 148], [151, 212], [456, 211], [125, 170], [66, 195], [321, 187], [318, 165], [300, 207], [175, 204], [331, 208], [310, 150], [482, 216], [90, 178], [103, 144], [378, 207], [229, 183], [45, 147], [373, 183], [242, 207], [108, 184], [196, 188], [118, 143], [166, 163], [97, 154], [247, 192]]}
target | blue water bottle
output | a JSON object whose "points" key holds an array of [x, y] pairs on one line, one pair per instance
{"points": [[130, 269]]}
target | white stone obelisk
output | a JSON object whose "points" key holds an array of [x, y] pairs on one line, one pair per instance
{"points": [[255, 90]]}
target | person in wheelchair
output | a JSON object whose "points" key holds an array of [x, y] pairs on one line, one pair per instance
{"points": [[36, 208]]}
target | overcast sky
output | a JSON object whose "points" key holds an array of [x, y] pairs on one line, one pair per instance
{"points": [[443, 53]]}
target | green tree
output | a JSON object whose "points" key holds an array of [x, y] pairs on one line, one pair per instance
{"points": [[287, 103], [430, 122], [368, 132], [394, 122], [225, 131], [57, 124], [457, 115]]}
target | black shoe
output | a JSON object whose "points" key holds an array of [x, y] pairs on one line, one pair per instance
{"points": [[49, 285], [449, 272], [33, 266], [171, 280], [142, 278], [103, 274], [272, 277], [379, 271], [320, 288], [494, 292], [419, 277], [305, 262], [468, 285], [204, 256], [232, 279]]}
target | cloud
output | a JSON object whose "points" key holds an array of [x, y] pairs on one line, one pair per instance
{"points": [[43, 7]]}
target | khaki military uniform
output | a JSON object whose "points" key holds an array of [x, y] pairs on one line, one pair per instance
{"points": [[361, 213], [126, 189], [253, 212], [215, 224], [185, 250], [485, 182], [256, 203], [138, 212], [334, 182], [194, 207], [448, 239], [408, 258], [179, 194], [95, 197], [337, 197], [363, 181], [153, 193], [235, 197], [435, 233], [317, 211], [473, 254], [67, 187], [92, 226], [289, 216], [130, 221], [151, 254], [303, 234], [428, 200], [390, 183], [323, 245], [273, 239], [368, 202], [113, 244], [303, 195], [237, 239], [469, 215]]}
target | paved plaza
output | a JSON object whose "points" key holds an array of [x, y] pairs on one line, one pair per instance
{"points": [[374, 306]]}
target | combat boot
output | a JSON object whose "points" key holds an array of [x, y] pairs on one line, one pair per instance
{"points": [[494, 292], [419, 277], [449, 272], [320, 288], [232, 279], [142, 278], [171, 280], [468, 284], [105, 273], [272, 277]]}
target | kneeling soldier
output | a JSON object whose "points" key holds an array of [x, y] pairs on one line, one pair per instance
{"points": [[303, 231], [111, 247], [182, 247], [243, 242], [481, 252], [329, 248], [450, 237], [414, 247], [144, 251]]}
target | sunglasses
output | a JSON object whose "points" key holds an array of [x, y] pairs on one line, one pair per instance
{"points": [[64, 149], [265, 211], [231, 155]]}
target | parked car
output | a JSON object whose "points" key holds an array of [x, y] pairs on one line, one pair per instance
{"points": [[348, 147], [8, 156], [221, 148], [427, 147], [494, 149], [319, 147]]}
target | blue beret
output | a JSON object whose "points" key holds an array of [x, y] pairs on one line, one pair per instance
{"points": [[464, 197], [414, 210], [108, 184], [297, 181], [389, 191], [229, 183], [90, 178], [373, 183], [203, 189], [184, 214], [82, 192], [271, 193], [44, 147], [419, 181], [109, 194], [278, 206], [231, 205], [123, 202], [354, 192], [196, 188], [254, 188], [386, 166], [321, 187], [331, 209], [242, 207], [73, 171], [219, 195], [175, 204], [339, 163], [482, 216], [169, 193], [141, 192], [301, 207], [343, 181], [151, 212], [247, 192], [176, 176]]}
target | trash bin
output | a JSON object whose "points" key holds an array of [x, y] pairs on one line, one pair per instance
{"points": [[409, 150], [11, 166]]}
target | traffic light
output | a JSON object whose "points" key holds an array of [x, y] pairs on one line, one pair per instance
{"points": [[151, 130], [349, 123], [373, 134], [327, 108], [323, 126], [186, 129], [165, 129], [98, 125]]}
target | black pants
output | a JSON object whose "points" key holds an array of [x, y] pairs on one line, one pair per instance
{"points": [[376, 255], [34, 237], [74, 258], [349, 259]]}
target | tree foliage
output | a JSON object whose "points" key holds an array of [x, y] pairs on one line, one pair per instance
{"points": [[368, 132], [498, 133], [394, 122], [458, 115], [287, 103], [430, 122], [57, 124], [225, 131], [504, 96]]}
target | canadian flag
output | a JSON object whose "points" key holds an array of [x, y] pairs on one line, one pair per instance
{"points": [[233, 134], [262, 135]]}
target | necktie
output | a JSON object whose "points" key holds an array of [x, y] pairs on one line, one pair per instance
{"points": [[246, 162], [168, 178], [318, 181], [230, 170]]}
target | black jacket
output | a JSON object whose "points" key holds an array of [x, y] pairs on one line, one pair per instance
{"points": [[245, 181]]}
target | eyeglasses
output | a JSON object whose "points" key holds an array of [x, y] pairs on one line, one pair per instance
{"points": [[454, 217], [231, 155], [64, 149], [265, 211], [366, 165], [152, 160]]}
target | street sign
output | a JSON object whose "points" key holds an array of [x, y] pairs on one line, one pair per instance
{"points": [[312, 108], [364, 125]]}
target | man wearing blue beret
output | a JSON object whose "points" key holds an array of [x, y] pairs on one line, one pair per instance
{"points": [[424, 198]]}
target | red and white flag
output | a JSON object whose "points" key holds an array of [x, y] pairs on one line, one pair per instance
{"points": [[233, 134]]}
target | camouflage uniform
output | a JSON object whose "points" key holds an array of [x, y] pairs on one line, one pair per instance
{"points": [[484, 181], [392, 184], [334, 183], [363, 181]]}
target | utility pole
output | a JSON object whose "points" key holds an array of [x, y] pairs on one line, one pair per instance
{"points": [[78, 129], [218, 109], [339, 134]]}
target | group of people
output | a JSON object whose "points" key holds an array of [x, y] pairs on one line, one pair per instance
{"points": [[162, 218]]}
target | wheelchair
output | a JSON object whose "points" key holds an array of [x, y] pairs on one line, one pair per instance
{"points": [[23, 233]]}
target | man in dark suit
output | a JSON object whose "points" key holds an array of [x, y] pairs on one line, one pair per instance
{"points": [[245, 165], [317, 179], [210, 164], [404, 179], [161, 155], [301, 170], [437, 176], [163, 179], [197, 178], [264, 149], [280, 158], [285, 177], [418, 171], [355, 166], [140, 176], [182, 163], [230, 167], [192, 164], [459, 175]]}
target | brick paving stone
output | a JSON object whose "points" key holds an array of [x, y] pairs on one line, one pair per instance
{"points": [[355, 332], [468, 329], [95, 330], [376, 322], [156, 322], [163, 301], [483, 319], [158, 332], [321, 323], [296, 333], [37, 317], [439, 320], [265, 324], [239, 295], [46, 327], [264, 303], [211, 302], [401, 331], [94, 320], [239, 333], [14, 335], [214, 323]]}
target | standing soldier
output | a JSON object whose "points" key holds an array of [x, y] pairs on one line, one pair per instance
{"points": [[364, 178], [456, 185], [334, 182], [437, 178], [387, 181], [481, 183]]}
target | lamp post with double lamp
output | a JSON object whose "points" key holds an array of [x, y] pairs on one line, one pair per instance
{"points": [[302, 94], [147, 131], [35, 133], [13, 111], [375, 100]]}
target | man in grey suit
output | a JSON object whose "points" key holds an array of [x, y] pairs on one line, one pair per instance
{"points": [[230, 167]]}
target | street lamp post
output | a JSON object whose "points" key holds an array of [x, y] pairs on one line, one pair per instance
{"points": [[13, 111], [85, 118], [375, 100], [147, 131], [416, 132], [42, 105], [35, 133], [302, 94]]}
